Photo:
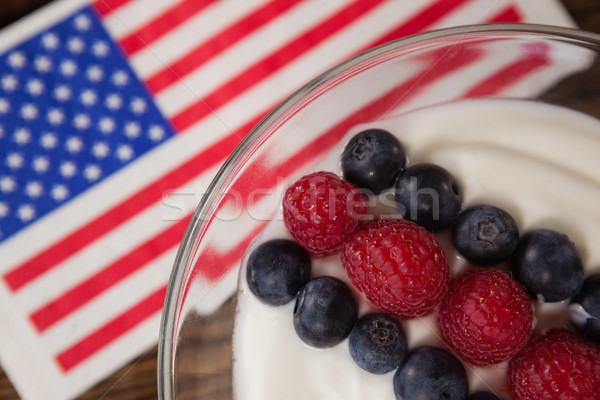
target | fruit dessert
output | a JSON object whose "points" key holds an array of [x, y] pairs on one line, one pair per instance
{"points": [[448, 253]]}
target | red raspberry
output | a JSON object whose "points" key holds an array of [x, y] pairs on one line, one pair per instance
{"points": [[556, 364], [486, 316], [322, 211], [399, 267]]}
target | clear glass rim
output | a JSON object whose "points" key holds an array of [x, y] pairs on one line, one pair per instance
{"points": [[169, 313]]}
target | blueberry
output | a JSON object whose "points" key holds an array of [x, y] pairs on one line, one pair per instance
{"points": [[372, 160], [277, 270], [430, 373], [377, 343], [428, 195], [589, 299], [485, 235], [325, 312], [483, 396], [546, 263]]}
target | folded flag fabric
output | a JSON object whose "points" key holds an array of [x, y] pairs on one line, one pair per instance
{"points": [[114, 117]]}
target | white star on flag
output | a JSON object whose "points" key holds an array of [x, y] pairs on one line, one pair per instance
{"points": [[100, 150], [4, 106], [29, 111], [89, 97], [114, 101], [100, 49], [95, 73], [81, 121], [35, 87], [41, 164], [50, 41], [107, 125], [22, 136], [62, 93], [68, 68], [14, 160], [17, 59], [10, 83], [48, 140], [7, 184], [59, 192], [75, 45], [43, 64], [68, 169], [120, 78], [34, 189], [92, 172], [74, 144], [26, 212], [56, 116], [4, 210]]}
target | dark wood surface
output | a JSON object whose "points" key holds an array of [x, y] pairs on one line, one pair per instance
{"points": [[137, 380]]}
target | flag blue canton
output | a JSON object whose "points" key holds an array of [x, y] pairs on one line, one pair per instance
{"points": [[72, 112]]}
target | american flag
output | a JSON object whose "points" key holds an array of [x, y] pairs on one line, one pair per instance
{"points": [[114, 117]]}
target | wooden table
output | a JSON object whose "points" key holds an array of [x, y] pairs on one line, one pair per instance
{"points": [[137, 380]]}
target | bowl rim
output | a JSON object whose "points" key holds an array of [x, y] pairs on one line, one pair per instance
{"points": [[169, 312]]}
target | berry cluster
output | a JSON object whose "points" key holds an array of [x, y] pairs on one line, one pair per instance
{"points": [[485, 315]]}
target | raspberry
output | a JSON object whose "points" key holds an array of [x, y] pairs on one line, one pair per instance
{"points": [[556, 364], [486, 316], [399, 267], [322, 211]]}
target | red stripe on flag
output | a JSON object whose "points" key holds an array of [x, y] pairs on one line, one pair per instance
{"points": [[423, 19], [510, 14], [268, 65], [214, 260], [217, 44], [109, 276], [108, 333], [510, 74], [47, 259], [162, 24], [105, 7]]}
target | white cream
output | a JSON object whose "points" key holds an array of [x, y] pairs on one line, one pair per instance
{"points": [[537, 161]]}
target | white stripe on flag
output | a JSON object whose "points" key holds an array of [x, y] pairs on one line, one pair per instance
{"points": [[135, 14], [474, 12], [201, 27], [117, 353]]}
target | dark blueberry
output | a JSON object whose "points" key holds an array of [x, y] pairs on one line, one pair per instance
{"points": [[277, 270], [325, 312], [428, 195], [483, 396], [589, 299], [430, 373], [377, 343], [485, 235], [546, 263], [372, 160]]}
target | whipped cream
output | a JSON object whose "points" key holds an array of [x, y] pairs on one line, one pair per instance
{"points": [[537, 161]]}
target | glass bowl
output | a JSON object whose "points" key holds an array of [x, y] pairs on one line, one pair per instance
{"points": [[508, 61]]}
